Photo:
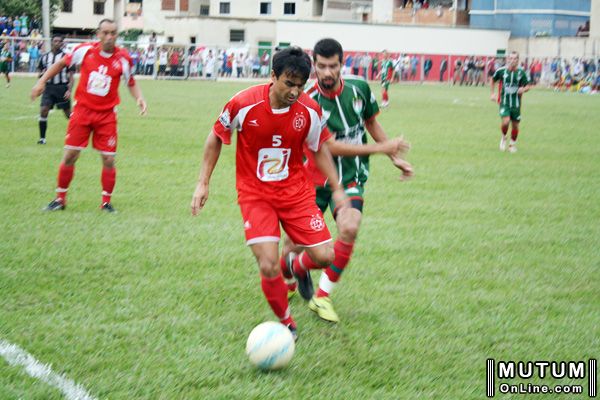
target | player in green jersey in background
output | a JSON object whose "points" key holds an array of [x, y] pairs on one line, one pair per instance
{"points": [[387, 75], [513, 83], [350, 109]]}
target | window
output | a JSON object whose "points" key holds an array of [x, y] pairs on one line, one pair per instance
{"points": [[184, 5], [204, 10], [193, 39], [289, 8], [169, 39], [265, 8], [236, 35], [99, 7], [224, 7], [168, 5], [67, 6]]}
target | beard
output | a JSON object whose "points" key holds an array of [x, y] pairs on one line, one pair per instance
{"points": [[327, 84]]}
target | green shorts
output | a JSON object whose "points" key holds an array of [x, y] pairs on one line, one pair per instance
{"points": [[4, 67], [355, 193], [513, 112]]}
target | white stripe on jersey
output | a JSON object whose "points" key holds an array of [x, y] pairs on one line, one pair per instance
{"points": [[314, 132]]}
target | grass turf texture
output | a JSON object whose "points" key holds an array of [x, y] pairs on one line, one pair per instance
{"points": [[484, 254]]}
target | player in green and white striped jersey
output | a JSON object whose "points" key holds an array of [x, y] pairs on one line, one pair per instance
{"points": [[350, 110], [513, 83]]}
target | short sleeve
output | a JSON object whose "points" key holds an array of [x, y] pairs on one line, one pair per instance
{"points": [[371, 107], [318, 132], [227, 121], [496, 76], [76, 57], [524, 80]]}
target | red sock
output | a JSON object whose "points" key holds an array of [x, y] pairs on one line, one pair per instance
{"points": [[304, 263], [276, 294], [343, 252], [288, 278], [514, 133], [504, 129], [109, 177], [65, 175], [384, 95]]}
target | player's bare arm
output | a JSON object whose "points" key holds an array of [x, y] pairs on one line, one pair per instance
{"points": [[39, 87], [378, 134], [212, 151], [324, 162], [524, 89], [137, 95], [70, 85], [388, 147], [493, 90]]}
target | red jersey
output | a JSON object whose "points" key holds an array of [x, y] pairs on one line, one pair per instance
{"points": [[101, 72], [270, 144]]}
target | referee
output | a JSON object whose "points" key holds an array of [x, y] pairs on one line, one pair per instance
{"points": [[58, 89]]}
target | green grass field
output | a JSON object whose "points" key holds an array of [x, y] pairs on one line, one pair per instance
{"points": [[482, 255]]}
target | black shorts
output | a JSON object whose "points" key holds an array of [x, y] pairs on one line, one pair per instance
{"points": [[54, 95]]}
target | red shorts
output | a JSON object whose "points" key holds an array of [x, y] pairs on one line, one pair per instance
{"points": [[303, 223], [84, 121]]}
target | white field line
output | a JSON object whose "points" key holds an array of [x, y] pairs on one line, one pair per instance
{"points": [[15, 356]]}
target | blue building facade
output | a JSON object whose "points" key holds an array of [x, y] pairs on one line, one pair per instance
{"points": [[531, 17]]}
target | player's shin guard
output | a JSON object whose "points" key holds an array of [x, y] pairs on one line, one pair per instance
{"points": [[65, 175], [276, 294], [43, 123], [330, 277], [109, 177], [513, 134]]}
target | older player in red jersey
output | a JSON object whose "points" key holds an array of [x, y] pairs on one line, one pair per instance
{"points": [[103, 65], [273, 123]]}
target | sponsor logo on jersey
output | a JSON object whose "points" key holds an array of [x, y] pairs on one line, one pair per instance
{"points": [[299, 122], [225, 119], [253, 122], [317, 223]]}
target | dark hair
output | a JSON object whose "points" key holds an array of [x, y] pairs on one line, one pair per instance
{"points": [[292, 60], [58, 35], [328, 48], [110, 21]]}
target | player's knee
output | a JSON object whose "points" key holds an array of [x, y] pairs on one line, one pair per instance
{"points": [[348, 225], [108, 161], [70, 157], [268, 267]]}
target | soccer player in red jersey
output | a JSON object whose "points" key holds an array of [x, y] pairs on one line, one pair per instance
{"points": [[103, 65], [273, 123]]}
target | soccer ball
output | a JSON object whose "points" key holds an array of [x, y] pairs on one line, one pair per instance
{"points": [[270, 346]]}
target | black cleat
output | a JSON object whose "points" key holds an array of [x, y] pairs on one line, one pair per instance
{"points": [[55, 205], [305, 285], [294, 331], [108, 208]]}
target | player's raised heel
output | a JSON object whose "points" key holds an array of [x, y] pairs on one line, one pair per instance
{"points": [[107, 207], [305, 284], [55, 205]]}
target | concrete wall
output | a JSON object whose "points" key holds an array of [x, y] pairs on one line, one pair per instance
{"points": [[595, 19], [556, 47], [371, 37], [215, 31], [83, 16]]}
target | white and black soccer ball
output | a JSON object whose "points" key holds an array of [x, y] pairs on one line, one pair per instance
{"points": [[270, 346]]}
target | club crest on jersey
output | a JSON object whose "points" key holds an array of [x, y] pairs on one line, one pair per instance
{"points": [[299, 122], [225, 119], [357, 105], [317, 223]]}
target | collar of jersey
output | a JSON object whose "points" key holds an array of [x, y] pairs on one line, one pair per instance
{"points": [[268, 103], [331, 95]]}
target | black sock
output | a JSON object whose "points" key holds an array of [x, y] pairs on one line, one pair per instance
{"points": [[43, 126]]}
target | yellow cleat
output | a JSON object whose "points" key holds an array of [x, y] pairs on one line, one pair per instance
{"points": [[324, 308]]}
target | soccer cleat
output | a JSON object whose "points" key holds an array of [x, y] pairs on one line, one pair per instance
{"points": [[323, 306], [55, 205], [108, 208], [41, 141], [512, 148], [305, 284], [503, 143], [384, 104], [294, 330]]}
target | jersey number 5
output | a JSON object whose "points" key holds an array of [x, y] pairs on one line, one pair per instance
{"points": [[276, 140]]}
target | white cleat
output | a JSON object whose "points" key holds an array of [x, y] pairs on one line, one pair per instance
{"points": [[503, 143], [384, 104], [512, 148]]}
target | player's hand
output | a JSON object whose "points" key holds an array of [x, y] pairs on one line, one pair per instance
{"points": [[199, 198], [341, 200], [521, 90], [493, 97], [405, 167], [395, 146], [37, 90], [141, 103], [67, 95]]}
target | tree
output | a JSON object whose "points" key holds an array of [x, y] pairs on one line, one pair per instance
{"points": [[32, 8]]}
